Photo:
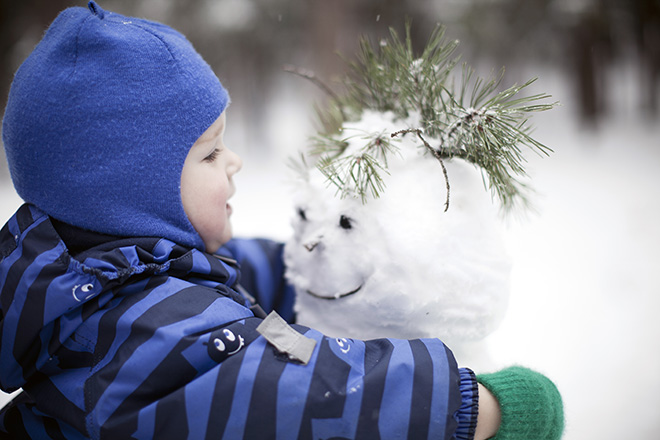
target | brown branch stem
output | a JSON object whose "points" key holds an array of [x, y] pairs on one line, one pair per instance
{"points": [[311, 76], [436, 153]]}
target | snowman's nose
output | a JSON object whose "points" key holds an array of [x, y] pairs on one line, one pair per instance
{"points": [[311, 245]]}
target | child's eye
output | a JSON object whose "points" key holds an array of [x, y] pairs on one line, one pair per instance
{"points": [[213, 156]]}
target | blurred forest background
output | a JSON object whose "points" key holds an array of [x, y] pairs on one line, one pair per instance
{"points": [[585, 288], [248, 42]]}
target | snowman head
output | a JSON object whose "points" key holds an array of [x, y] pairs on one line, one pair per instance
{"points": [[396, 264], [332, 236], [399, 265]]}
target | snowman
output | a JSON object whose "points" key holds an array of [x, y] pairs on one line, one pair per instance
{"points": [[400, 265], [399, 204]]}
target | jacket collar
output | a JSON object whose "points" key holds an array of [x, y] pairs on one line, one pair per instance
{"points": [[50, 270]]}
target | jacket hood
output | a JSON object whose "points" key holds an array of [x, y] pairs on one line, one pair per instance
{"points": [[47, 289]]}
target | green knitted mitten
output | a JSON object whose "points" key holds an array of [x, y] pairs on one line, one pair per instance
{"points": [[530, 403]]}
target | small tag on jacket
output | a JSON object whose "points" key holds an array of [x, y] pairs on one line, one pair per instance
{"points": [[286, 339]]}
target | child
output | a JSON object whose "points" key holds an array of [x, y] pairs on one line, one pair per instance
{"points": [[122, 315]]}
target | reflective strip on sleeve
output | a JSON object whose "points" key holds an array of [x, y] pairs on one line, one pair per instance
{"points": [[286, 339]]}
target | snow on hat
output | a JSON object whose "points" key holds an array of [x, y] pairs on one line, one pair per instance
{"points": [[100, 118]]}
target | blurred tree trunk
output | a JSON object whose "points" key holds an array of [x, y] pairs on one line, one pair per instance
{"points": [[591, 48], [647, 33], [19, 20], [327, 23]]}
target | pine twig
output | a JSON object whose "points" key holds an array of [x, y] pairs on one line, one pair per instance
{"points": [[311, 76], [436, 153]]}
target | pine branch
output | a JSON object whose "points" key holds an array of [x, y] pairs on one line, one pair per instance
{"points": [[465, 117], [358, 173]]}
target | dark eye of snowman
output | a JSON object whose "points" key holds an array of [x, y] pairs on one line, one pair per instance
{"points": [[302, 214], [345, 222]]}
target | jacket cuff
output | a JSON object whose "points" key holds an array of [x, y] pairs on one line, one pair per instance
{"points": [[466, 416]]}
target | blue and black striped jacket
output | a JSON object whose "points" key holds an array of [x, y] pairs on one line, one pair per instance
{"points": [[142, 338]]}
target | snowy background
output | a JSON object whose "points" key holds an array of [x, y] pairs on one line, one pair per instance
{"points": [[585, 304]]}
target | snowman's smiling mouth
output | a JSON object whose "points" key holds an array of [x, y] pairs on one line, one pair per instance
{"points": [[336, 295]]}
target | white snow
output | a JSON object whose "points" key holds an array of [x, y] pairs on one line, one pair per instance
{"points": [[405, 268], [585, 301]]}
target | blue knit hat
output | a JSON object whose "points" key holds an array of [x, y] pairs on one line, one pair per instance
{"points": [[100, 118]]}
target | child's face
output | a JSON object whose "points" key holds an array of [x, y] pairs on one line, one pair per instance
{"points": [[206, 185]]}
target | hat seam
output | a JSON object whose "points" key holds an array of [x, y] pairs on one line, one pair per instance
{"points": [[162, 41], [75, 56]]}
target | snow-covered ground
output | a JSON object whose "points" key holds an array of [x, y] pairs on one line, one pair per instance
{"points": [[585, 304]]}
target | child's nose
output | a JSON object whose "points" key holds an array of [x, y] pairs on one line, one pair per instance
{"points": [[235, 163]]}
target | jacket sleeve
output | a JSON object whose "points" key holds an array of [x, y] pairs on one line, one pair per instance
{"points": [[172, 363], [262, 274], [231, 383]]}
